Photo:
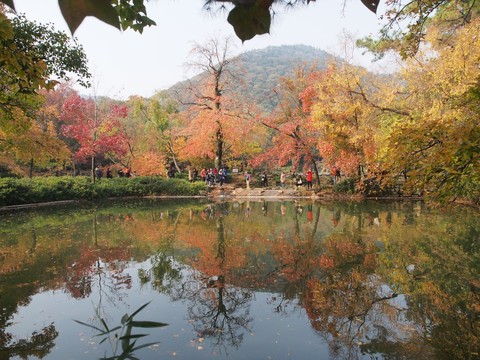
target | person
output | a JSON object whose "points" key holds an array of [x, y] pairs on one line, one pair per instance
{"points": [[127, 172], [335, 174], [225, 173], [109, 173], [247, 179], [299, 180], [203, 174], [282, 179], [190, 175], [265, 178], [120, 173], [221, 176], [309, 179], [195, 175], [98, 173], [209, 177]]}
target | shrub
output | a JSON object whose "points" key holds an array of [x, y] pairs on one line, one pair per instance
{"points": [[44, 189], [347, 186]]}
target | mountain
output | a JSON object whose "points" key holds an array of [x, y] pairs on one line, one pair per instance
{"points": [[264, 67]]}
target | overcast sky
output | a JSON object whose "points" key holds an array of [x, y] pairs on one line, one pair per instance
{"points": [[128, 63]]}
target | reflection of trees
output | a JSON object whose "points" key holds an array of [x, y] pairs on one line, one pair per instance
{"points": [[438, 268], [348, 303], [164, 273], [218, 310], [39, 344], [95, 260], [17, 285], [330, 262]]}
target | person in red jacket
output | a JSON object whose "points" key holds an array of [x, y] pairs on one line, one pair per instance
{"points": [[309, 179]]}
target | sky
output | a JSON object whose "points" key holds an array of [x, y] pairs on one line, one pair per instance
{"points": [[128, 63]]}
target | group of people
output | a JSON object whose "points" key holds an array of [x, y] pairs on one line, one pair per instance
{"points": [[213, 176], [108, 175], [298, 180]]}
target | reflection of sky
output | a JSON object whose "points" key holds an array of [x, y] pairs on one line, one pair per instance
{"points": [[278, 335]]}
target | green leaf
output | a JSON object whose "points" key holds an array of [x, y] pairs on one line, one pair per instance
{"points": [[75, 11], [147, 324], [248, 21]]}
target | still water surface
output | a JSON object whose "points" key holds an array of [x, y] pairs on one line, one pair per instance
{"points": [[242, 280]]}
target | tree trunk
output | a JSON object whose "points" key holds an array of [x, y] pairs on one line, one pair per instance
{"points": [[315, 169], [30, 172], [174, 158], [219, 138], [93, 169]]}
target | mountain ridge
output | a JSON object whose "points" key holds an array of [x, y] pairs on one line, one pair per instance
{"points": [[264, 67]]}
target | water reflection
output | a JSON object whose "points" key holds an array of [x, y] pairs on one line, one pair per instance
{"points": [[385, 280]]}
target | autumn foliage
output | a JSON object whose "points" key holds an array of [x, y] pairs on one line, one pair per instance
{"points": [[96, 134]]}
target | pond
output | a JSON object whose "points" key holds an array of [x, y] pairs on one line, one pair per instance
{"points": [[240, 280]]}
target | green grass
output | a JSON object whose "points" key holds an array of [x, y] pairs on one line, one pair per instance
{"points": [[15, 191]]}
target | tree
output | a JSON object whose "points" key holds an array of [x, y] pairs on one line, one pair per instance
{"points": [[408, 22], [295, 138], [161, 121], [339, 115], [218, 118], [33, 56], [96, 133], [38, 145], [437, 145]]}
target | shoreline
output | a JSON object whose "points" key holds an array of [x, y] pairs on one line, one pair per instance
{"points": [[255, 194], [231, 194]]}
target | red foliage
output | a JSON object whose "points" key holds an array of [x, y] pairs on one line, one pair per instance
{"points": [[95, 133]]}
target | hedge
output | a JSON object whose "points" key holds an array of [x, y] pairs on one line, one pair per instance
{"points": [[15, 191]]}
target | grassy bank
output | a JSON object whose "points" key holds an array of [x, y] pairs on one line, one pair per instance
{"points": [[44, 189]]}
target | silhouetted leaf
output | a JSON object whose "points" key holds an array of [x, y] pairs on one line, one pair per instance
{"points": [[8, 3], [248, 21], [75, 11], [104, 324], [91, 326], [147, 324], [372, 5], [138, 310], [144, 346], [136, 336]]}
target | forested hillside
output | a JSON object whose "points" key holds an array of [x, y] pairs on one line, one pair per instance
{"points": [[264, 67]]}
